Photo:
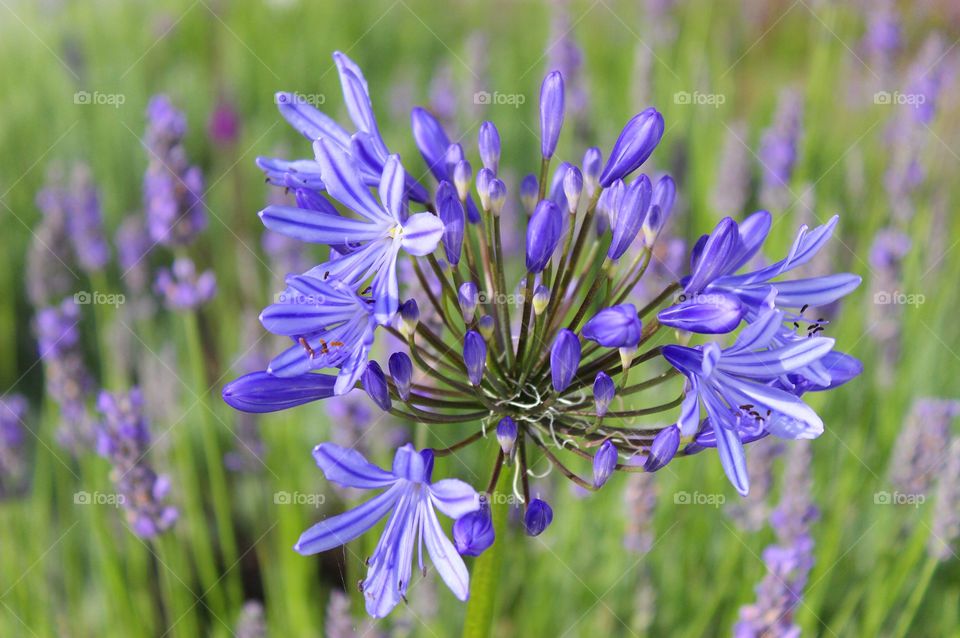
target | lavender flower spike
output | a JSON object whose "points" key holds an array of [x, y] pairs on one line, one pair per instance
{"points": [[551, 113], [410, 499]]}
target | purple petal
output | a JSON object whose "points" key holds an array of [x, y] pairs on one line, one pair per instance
{"points": [[347, 467], [341, 176], [421, 234], [615, 327], [392, 187], [708, 313], [444, 555], [454, 497], [261, 392], [341, 529], [319, 228]]}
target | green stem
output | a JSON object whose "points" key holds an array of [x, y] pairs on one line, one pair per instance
{"points": [[916, 597]]}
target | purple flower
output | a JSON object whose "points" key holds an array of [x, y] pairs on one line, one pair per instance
{"points": [[665, 446], [223, 127], [365, 146], [450, 210], [260, 392], [401, 370], [374, 242], [615, 327], [375, 384], [182, 288], [564, 359], [13, 432], [469, 297], [543, 235], [473, 533], [637, 141], [734, 386], [433, 143], [172, 188], [537, 518], [474, 356], [330, 324], [507, 434], [604, 463], [718, 256], [708, 313], [85, 222], [629, 216], [488, 144], [551, 113], [409, 498], [124, 439], [603, 391]]}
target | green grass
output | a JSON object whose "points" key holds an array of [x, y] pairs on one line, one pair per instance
{"points": [[71, 570]]}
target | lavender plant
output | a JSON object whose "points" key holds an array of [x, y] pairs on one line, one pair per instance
{"points": [[541, 376]]}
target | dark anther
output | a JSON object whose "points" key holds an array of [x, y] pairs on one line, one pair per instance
{"points": [[804, 309], [306, 346]]}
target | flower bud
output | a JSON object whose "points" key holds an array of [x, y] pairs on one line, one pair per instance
{"points": [[452, 157], [663, 448], [507, 434], [572, 187], [375, 384], [603, 391], [604, 463], [615, 327], [629, 216], [261, 392], [409, 317], [537, 518], [497, 194], [450, 210], [489, 144], [473, 533], [484, 177], [543, 234], [462, 173], [529, 192], [541, 299], [485, 325], [592, 164], [401, 369], [637, 141], [469, 298], [705, 313], [564, 359], [474, 356], [551, 112]]}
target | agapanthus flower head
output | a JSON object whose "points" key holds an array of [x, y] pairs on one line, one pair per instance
{"points": [[541, 356]]}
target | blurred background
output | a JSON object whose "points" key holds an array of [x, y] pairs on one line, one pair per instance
{"points": [[163, 512]]}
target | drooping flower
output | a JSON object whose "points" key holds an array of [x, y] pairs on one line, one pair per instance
{"points": [[718, 256], [410, 499], [734, 386]]}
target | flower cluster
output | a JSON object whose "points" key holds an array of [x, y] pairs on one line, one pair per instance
{"points": [[124, 439], [539, 365]]}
